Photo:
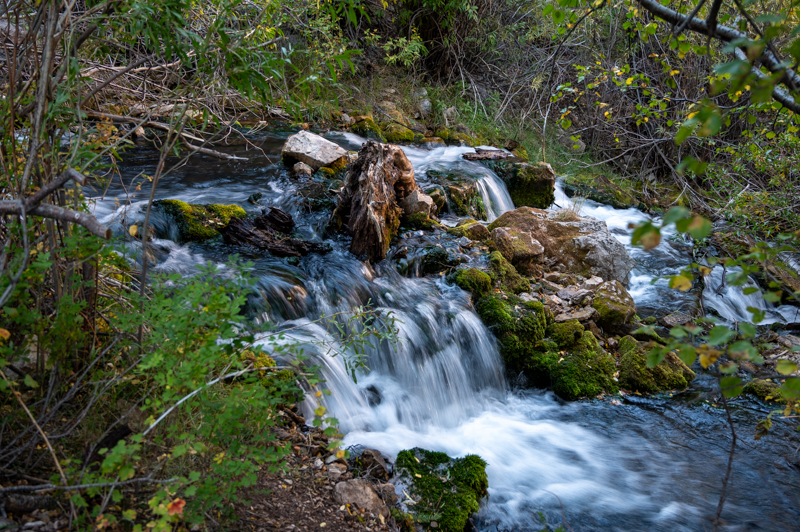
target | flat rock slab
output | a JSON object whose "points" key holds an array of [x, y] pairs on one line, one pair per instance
{"points": [[311, 149], [487, 155], [584, 314]]}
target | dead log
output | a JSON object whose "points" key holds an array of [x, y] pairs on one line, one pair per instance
{"points": [[258, 234], [275, 219]]}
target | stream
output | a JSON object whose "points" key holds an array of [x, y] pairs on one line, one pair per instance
{"points": [[627, 464]]}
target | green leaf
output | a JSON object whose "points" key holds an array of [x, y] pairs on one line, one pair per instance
{"points": [[730, 386], [655, 357], [700, 227], [674, 214], [29, 382], [791, 388], [687, 354], [720, 335], [743, 349], [785, 367]]}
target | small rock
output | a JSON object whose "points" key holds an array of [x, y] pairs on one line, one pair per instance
{"points": [[318, 463], [315, 151], [302, 169], [592, 283], [449, 114], [387, 493], [424, 107], [675, 319], [374, 464], [580, 315], [347, 119], [360, 492], [465, 242], [418, 202], [336, 470]]}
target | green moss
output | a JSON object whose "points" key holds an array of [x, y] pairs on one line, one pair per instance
{"points": [[336, 167], [670, 374], [764, 390], [614, 306], [397, 133], [199, 222], [583, 370], [600, 189], [529, 185], [449, 490], [566, 334], [404, 520], [474, 281], [420, 220], [368, 128], [473, 231], [502, 272]]}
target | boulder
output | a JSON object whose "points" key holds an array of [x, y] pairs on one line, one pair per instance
{"points": [[519, 247], [529, 185], [592, 283], [368, 204], [359, 492], [635, 375], [474, 281], [582, 315], [600, 189], [418, 203], [615, 306], [311, 149], [463, 196], [447, 490], [371, 463], [472, 230], [198, 222], [584, 247]]}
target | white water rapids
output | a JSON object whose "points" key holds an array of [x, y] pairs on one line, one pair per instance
{"points": [[653, 464]]}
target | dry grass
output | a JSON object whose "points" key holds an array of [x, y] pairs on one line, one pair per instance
{"points": [[571, 213]]}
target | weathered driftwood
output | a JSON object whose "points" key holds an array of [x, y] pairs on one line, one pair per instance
{"points": [[259, 233], [276, 219], [368, 206], [487, 155]]}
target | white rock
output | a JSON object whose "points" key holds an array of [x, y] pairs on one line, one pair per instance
{"points": [[311, 149]]}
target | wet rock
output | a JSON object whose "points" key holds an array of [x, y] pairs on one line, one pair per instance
{"points": [[600, 189], [635, 375], [199, 222], [614, 305], [359, 492], [368, 208], [448, 490], [764, 390], [487, 155], [302, 169], [473, 230], [473, 280], [439, 199], [463, 196], [311, 149], [584, 247], [430, 143], [277, 219], [418, 203], [505, 276], [261, 233], [529, 185], [437, 259]]}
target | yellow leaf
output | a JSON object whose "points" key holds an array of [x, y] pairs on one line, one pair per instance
{"points": [[628, 81], [681, 283], [708, 355], [650, 240], [340, 453], [704, 270], [673, 72], [133, 230], [417, 475], [4, 334]]}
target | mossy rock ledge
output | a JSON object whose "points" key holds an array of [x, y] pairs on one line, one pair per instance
{"points": [[448, 490], [529, 185], [199, 222], [635, 375]]}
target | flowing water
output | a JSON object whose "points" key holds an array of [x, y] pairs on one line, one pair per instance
{"points": [[625, 465]]}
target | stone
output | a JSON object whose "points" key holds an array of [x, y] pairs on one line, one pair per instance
{"points": [[359, 492], [336, 470], [430, 143], [605, 255], [387, 493], [518, 247], [635, 375], [584, 247], [372, 463], [450, 114], [675, 319], [614, 305], [592, 283], [575, 296], [581, 315], [347, 119], [424, 107], [529, 185], [476, 231], [199, 222], [311, 149], [368, 204], [418, 203], [318, 463]]}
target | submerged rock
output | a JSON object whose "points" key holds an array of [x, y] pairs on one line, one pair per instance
{"points": [[529, 185], [634, 375], [311, 149], [584, 247], [199, 222], [447, 490], [369, 204]]}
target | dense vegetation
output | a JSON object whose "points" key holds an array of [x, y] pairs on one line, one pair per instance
{"points": [[694, 107]]}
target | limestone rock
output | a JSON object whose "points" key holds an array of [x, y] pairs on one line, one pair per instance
{"points": [[614, 305], [592, 283], [302, 169], [360, 493], [368, 208], [418, 203], [517, 246], [583, 247], [582, 315], [311, 149], [634, 374]]}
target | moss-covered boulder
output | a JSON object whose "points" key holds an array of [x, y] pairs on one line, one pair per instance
{"points": [[463, 196], [614, 305], [634, 375], [453, 136], [365, 126], [471, 229], [520, 326], [199, 222], [600, 189], [473, 280], [436, 259], [396, 133], [529, 185], [420, 220], [448, 490], [764, 390], [505, 276], [580, 368]]}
